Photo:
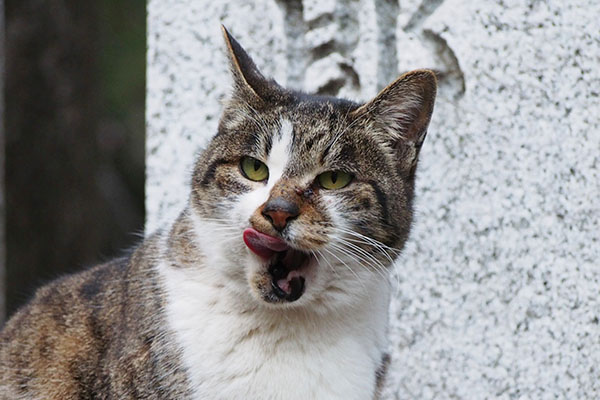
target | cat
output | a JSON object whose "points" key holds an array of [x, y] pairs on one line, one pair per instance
{"points": [[273, 283]]}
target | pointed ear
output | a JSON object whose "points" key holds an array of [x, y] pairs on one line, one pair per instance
{"points": [[401, 112], [249, 83]]}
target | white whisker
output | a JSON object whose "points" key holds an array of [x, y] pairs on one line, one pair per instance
{"points": [[352, 271]]}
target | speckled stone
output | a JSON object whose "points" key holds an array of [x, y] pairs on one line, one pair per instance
{"points": [[498, 288]]}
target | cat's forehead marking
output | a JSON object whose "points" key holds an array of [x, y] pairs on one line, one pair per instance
{"points": [[280, 151]]}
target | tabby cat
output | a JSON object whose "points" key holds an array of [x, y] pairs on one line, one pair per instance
{"points": [[271, 284]]}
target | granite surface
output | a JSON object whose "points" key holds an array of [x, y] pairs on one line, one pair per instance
{"points": [[498, 288]]}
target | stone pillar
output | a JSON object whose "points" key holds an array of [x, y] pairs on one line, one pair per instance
{"points": [[498, 288]]}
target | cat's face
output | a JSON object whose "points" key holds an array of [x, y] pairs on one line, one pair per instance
{"points": [[311, 196]]}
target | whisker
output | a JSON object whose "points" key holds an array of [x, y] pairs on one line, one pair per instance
{"points": [[379, 269], [375, 242], [366, 240], [328, 263], [360, 241], [346, 242], [365, 256], [349, 269]]}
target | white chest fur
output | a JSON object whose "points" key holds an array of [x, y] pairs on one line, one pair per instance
{"points": [[235, 350]]}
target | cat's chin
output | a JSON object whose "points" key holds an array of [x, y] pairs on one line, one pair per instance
{"points": [[283, 278]]}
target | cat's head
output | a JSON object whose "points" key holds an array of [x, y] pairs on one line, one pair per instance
{"points": [[309, 198]]}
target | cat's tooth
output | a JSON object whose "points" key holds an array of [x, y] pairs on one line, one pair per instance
{"points": [[284, 285], [296, 285]]}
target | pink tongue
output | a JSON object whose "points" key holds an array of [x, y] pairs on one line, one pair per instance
{"points": [[263, 245]]}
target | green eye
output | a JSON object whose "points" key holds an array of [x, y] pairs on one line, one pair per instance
{"points": [[334, 179], [254, 169]]}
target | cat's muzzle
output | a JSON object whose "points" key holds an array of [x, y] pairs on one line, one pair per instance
{"points": [[285, 277]]}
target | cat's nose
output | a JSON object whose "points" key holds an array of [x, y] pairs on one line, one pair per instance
{"points": [[280, 211]]}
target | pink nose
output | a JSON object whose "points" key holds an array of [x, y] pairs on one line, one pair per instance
{"points": [[280, 211]]}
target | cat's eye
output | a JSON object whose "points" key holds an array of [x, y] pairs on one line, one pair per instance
{"points": [[334, 179], [254, 169]]}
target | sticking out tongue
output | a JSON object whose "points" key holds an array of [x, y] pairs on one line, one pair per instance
{"points": [[261, 244]]}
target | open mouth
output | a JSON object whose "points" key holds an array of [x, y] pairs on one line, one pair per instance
{"points": [[285, 264]]}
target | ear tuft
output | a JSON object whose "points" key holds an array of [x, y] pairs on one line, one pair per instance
{"points": [[249, 83], [403, 109]]}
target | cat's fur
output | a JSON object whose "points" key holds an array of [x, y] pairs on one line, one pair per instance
{"points": [[192, 313]]}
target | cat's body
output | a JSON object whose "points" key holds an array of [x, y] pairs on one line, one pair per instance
{"points": [[271, 284], [101, 334]]}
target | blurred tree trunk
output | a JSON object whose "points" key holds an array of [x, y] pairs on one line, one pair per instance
{"points": [[2, 248], [60, 215]]}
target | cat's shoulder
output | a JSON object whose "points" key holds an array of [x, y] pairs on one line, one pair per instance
{"points": [[77, 329], [53, 305], [84, 291]]}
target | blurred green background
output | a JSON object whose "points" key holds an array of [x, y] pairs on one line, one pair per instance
{"points": [[74, 93]]}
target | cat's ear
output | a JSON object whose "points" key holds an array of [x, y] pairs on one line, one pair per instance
{"points": [[249, 84], [401, 112]]}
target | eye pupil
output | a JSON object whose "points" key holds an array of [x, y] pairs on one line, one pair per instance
{"points": [[254, 169], [334, 179]]}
